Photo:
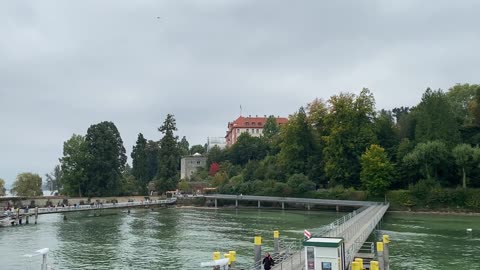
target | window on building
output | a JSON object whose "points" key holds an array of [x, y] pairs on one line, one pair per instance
{"points": [[247, 123], [258, 130], [253, 123], [198, 162], [238, 130], [259, 123], [248, 130]]}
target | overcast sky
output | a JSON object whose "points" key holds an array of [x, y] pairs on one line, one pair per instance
{"points": [[65, 65]]}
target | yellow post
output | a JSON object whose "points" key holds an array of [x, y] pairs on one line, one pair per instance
{"points": [[360, 262], [374, 265], [386, 239], [276, 243], [381, 260], [257, 249], [233, 258], [380, 246], [227, 256], [216, 255], [233, 255], [356, 266]]}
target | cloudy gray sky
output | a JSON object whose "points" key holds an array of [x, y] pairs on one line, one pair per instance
{"points": [[65, 65]]}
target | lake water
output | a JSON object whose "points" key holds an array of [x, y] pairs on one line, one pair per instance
{"points": [[182, 238]]}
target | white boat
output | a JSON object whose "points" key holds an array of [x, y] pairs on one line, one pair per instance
{"points": [[221, 262]]}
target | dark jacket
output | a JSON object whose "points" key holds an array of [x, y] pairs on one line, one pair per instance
{"points": [[267, 263]]}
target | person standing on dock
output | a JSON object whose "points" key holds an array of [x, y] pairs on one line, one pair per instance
{"points": [[267, 261]]}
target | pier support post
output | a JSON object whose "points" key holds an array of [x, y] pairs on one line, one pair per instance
{"points": [[236, 203], [36, 214], [258, 252], [308, 207], [26, 219], [337, 208], [233, 258], [283, 205], [258, 204], [386, 258], [276, 244], [381, 263], [216, 203]]}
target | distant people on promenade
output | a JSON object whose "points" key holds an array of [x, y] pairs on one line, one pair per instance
{"points": [[267, 261]]}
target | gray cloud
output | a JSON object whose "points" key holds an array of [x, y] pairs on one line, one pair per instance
{"points": [[67, 65]]}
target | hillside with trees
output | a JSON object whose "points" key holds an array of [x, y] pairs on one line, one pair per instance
{"points": [[344, 148]]}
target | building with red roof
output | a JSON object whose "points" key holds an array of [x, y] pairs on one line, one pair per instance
{"points": [[251, 125]]}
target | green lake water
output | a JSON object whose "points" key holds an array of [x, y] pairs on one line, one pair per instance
{"points": [[182, 238]]}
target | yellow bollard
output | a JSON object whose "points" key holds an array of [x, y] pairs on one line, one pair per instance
{"points": [[380, 246], [276, 234], [257, 241], [227, 256], [360, 262], [356, 266], [386, 239], [374, 265], [216, 255], [233, 255]]}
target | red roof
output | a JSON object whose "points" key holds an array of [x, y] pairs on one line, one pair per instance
{"points": [[249, 122]]}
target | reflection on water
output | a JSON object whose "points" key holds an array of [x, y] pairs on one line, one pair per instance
{"points": [[425, 242], [177, 238], [171, 238]]}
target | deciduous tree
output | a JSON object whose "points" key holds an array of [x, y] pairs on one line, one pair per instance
{"points": [[377, 170], [73, 166], [464, 158], [28, 184]]}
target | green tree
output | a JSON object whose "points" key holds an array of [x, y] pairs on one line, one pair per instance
{"points": [[2, 187], [28, 184], [73, 166], [169, 162], [461, 97], [270, 129], [198, 148], [297, 145], [140, 163], [428, 157], [435, 119], [405, 123], [247, 148], [54, 179], [106, 159], [386, 132], [299, 184], [464, 158], [377, 170], [184, 147], [152, 150], [216, 155], [183, 185], [350, 132]]}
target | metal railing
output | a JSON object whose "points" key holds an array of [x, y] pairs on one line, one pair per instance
{"points": [[71, 208]]}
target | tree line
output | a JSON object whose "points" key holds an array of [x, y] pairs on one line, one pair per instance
{"points": [[340, 142], [346, 142]]}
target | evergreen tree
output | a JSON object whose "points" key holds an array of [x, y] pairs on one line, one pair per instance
{"points": [[140, 163], [184, 147], [152, 151], [169, 156], [106, 159]]}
